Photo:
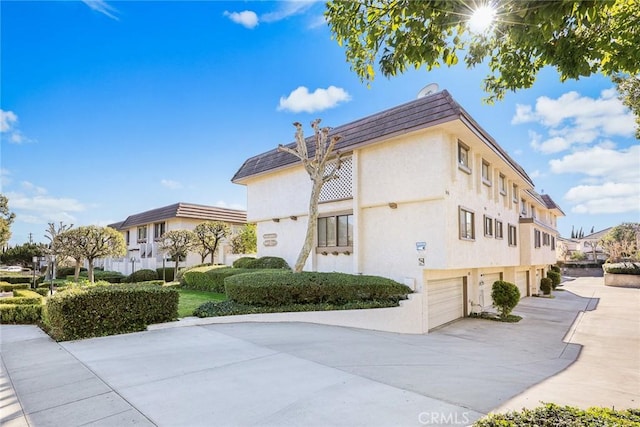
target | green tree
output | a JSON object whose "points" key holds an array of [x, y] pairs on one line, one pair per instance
{"points": [[69, 243], [316, 167], [629, 94], [23, 254], [245, 241], [6, 219], [622, 241], [209, 235], [577, 38], [178, 244], [93, 242]]}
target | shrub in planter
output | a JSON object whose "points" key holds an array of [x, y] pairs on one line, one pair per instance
{"points": [[141, 276], [505, 297], [622, 268], [106, 310], [169, 273], [555, 278], [545, 285], [281, 287]]}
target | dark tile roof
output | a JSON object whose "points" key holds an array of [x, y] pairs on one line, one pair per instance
{"points": [[545, 200], [414, 115], [183, 210]]}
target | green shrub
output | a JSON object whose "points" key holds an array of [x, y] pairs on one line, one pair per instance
{"points": [[63, 272], [622, 268], [42, 291], [554, 415], [555, 277], [106, 310], [545, 285], [505, 297], [244, 262], [169, 273], [23, 297], [209, 278], [20, 313], [279, 287], [148, 283], [16, 279], [8, 287], [141, 276]]}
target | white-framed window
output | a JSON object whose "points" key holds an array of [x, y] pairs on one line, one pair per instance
{"points": [[486, 172], [533, 211], [127, 237], [546, 241], [513, 235], [499, 229], [466, 220], [488, 226], [514, 193], [335, 231], [536, 238], [523, 207], [502, 180], [142, 234], [158, 230], [464, 162], [553, 243]]}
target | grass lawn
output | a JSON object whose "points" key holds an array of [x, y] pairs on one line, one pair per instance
{"points": [[190, 300]]}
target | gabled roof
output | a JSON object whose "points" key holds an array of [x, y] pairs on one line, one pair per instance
{"points": [[418, 114], [183, 210], [597, 235]]}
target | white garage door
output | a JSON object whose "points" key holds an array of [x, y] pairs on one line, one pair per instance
{"points": [[446, 301], [485, 298], [522, 282]]}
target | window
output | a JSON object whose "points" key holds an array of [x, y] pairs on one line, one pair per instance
{"points": [[503, 184], [158, 230], [499, 231], [463, 157], [335, 231], [142, 234], [545, 239], [533, 211], [523, 207], [467, 227], [513, 238], [514, 193], [486, 173], [127, 236], [553, 243], [488, 226], [536, 238]]}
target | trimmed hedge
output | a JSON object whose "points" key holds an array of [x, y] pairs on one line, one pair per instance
{"points": [[546, 285], [554, 415], [23, 297], [20, 313], [8, 287], [169, 273], [264, 262], [63, 272], [141, 276], [555, 277], [106, 310], [622, 268], [505, 296], [210, 278], [277, 288], [17, 279]]}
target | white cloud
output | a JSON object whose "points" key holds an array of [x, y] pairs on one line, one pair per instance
{"points": [[7, 120], [575, 119], [246, 18], [30, 187], [170, 184], [103, 7], [223, 204], [286, 9], [317, 22], [4, 178], [44, 204], [613, 179], [535, 174], [321, 99]]}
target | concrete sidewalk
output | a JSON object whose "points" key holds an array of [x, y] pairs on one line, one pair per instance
{"points": [[305, 374]]}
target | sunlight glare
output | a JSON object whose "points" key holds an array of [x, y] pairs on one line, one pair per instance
{"points": [[482, 18]]}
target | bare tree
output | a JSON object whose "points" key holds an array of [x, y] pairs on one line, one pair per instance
{"points": [[51, 233], [316, 168]]}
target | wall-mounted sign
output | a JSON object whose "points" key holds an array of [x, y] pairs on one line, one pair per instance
{"points": [[270, 242], [421, 246], [270, 236], [421, 262]]}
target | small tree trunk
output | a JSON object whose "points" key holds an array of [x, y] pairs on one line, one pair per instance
{"points": [[76, 273], [175, 272], [90, 270], [312, 224]]}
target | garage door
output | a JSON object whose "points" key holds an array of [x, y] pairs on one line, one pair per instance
{"points": [[446, 301], [522, 282], [485, 299]]}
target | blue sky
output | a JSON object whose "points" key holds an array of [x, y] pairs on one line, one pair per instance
{"points": [[114, 108]]}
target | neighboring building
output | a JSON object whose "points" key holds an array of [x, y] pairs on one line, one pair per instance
{"points": [[591, 245], [425, 196], [142, 232], [565, 248]]}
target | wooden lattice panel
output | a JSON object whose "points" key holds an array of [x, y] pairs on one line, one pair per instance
{"points": [[340, 187]]}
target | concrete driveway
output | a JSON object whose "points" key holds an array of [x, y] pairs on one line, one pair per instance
{"points": [[305, 374]]}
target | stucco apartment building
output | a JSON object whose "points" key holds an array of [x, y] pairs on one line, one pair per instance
{"points": [[142, 232], [425, 196]]}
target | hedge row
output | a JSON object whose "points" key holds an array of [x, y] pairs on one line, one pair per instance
{"points": [[209, 278], [555, 277], [264, 262], [622, 268], [23, 297], [20, 313], [107, 310], [269, 288], [141, 276], [63, 272], [19, 279], [8, 287], [169, 273]]}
